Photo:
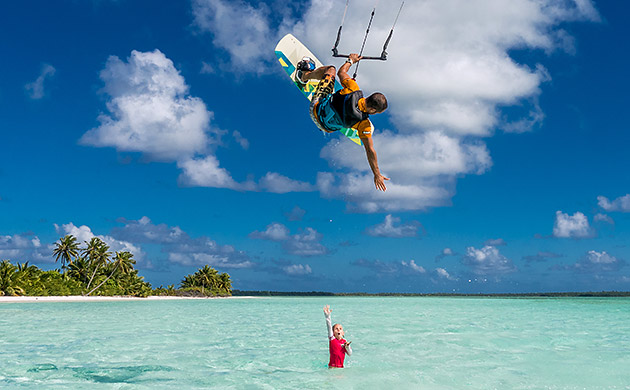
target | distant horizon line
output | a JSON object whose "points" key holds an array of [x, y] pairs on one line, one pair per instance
{"points": [[585, 294]]}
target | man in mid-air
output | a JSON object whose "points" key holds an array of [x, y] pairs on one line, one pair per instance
{"points": [[346, 108]]}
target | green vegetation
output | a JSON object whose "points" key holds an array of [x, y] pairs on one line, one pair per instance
{"points": [[94, 270], [205, 282]]}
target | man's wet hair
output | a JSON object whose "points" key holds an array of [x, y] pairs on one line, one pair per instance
{"points": [[377, 101]]}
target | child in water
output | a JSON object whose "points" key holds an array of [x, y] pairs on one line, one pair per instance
{"points": [[337, 346]]}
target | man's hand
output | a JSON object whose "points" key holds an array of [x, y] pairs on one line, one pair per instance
{"points": [[354, 57], [327, 310], [379, 182]]}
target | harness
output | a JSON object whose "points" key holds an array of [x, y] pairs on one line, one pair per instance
{"points": [[339, 111]]}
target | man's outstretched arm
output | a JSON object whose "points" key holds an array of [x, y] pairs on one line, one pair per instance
{"points": [[379, 180]]}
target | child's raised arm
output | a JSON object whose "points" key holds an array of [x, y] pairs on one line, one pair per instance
{"points": [[328, 321]]}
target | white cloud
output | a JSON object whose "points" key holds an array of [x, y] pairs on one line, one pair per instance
{"points": [[238, 137], [276, 183], [237, 27], [422, 168], [413, 266], [206, 172], [83, 233], [495, 242], [574, 226], [596, 262], [599, 217], [620, 204], [488, 261], [204, 255], [442, 273], [180, 247], [150, 110], [447, 252], [391, 227], [296, 214], [307, 243], [274, 232], [36, 88], [458, 73], [24, 247], [206, 68], [297, 269]]}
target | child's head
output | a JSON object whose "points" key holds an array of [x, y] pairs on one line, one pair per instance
{"points": [[338, 331]]}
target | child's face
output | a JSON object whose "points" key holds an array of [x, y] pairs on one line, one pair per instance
{"points": [[338, 331]]}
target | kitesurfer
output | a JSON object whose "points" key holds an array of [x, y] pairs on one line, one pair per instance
{"points": [[346, 108]]}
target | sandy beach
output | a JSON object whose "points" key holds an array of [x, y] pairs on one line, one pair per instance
{"points": [[80, 298]]}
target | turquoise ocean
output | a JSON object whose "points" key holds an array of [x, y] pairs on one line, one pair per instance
{"points": [[280, 343]]}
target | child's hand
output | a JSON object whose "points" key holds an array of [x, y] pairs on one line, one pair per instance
{"points": [[347, 344], [327, 310]]}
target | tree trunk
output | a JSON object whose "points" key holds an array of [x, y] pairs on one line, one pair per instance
{"points": [[103, 282], [93, 273]]}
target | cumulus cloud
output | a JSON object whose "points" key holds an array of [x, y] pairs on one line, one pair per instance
{"points": [[571, 226], [495, 242], [422, 167], [36, 88], [620, 204], [445, 253], [488, 261], [203, 250], [84, 234], [297, 269], [458, 74], [411, 265], [237, 27], [206, 172], [276, 183], [442, 273], [238, 137], [180, 247], [392, 268], [306, 243], [599, 217], [296, 214], [152, 112], [24, 247], [274, 232], [594, 261], [391, 227], [150, 109]]}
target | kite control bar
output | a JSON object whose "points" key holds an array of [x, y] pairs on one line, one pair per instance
{"points": [[383, 56]]}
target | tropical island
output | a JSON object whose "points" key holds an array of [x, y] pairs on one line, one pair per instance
{"points": [[93, 270]]}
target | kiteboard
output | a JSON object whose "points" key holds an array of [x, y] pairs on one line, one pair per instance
{"points": [[289, 52]]}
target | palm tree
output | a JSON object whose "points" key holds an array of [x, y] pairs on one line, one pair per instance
{"points": [[9, 280], [225, 283], [79, 270], [98, 254], [206, 276], [66, 249], [123, 261]]}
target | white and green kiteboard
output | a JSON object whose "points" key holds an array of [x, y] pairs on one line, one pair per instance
{"points": [[289, 52]]}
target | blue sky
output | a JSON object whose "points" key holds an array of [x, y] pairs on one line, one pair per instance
{"points": [[167, 129]]}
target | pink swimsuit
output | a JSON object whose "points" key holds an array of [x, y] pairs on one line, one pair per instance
{"points": [[337, 353], [336, 347]]}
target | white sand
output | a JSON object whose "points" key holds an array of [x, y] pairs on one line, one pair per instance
{"points": [[80, 298]]}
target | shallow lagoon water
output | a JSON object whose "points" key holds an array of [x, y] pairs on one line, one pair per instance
{"points": [[280, 343]]}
